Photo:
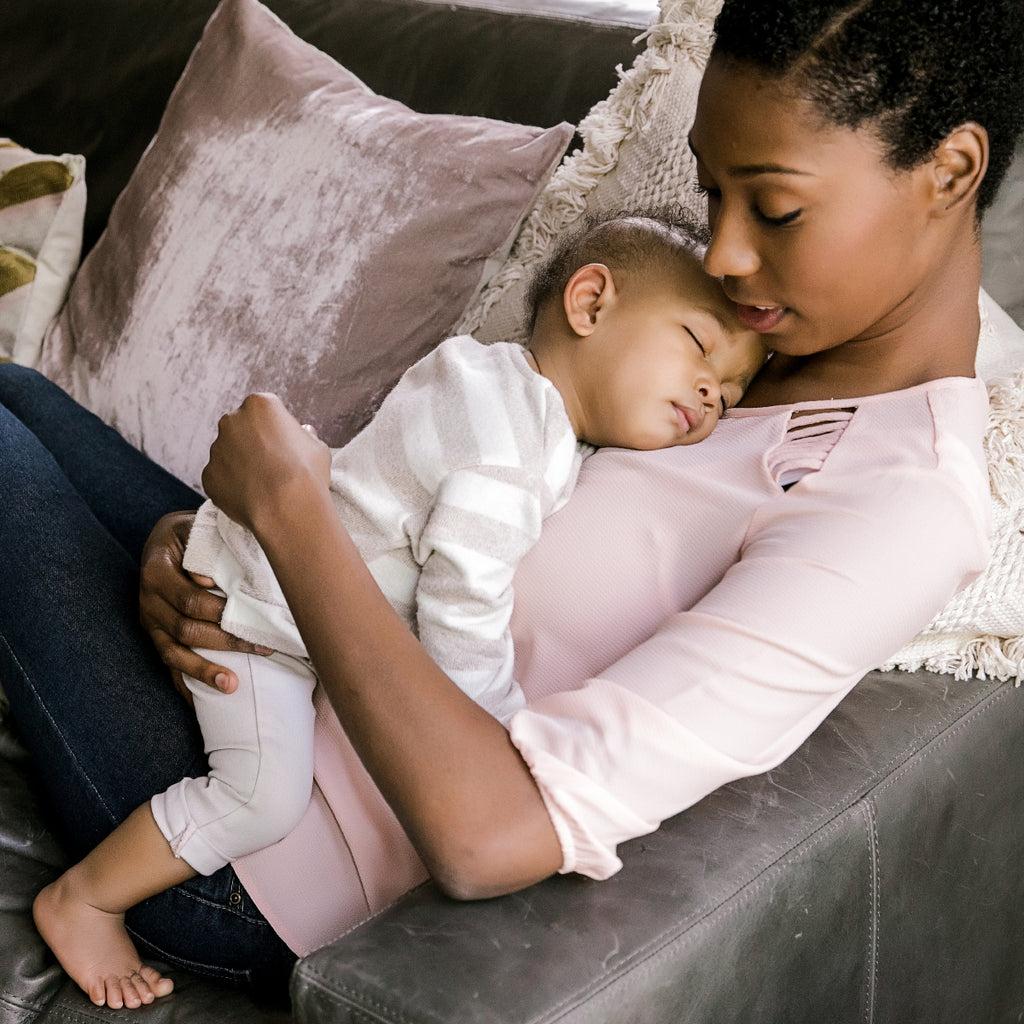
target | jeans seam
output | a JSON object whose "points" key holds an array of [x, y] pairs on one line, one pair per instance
{"points": [[195, 966], [255, 919], [56, 728]]}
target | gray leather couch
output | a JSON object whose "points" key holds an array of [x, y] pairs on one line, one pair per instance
{"points": [[874, 877]]}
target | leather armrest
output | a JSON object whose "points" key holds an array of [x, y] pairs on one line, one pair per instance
{"points": [[870, 876]]}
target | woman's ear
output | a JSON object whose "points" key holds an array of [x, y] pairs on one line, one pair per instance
{"points": [[586, 294], [959, 165]]}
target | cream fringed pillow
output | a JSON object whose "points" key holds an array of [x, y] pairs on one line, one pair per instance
{"points": [[634, 156]]}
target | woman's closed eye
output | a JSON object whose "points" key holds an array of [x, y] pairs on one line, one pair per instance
{"points": [[780, 221], [714, 195]]}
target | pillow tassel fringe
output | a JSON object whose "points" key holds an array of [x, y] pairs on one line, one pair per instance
{"points": [[981, 657], [683, 31]]}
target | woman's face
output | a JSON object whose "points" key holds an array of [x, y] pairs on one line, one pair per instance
{"points": [[815, 238]]}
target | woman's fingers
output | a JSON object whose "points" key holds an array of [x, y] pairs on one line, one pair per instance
{"points": [[181, 614], [184, 661]]}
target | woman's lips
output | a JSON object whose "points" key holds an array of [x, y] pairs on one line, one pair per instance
{"points": [[760, 318]]}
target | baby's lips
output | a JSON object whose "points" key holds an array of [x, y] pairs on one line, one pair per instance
{"points": [[689, 419]]}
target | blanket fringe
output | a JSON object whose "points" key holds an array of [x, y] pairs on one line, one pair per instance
{"points": [[982, 657]]}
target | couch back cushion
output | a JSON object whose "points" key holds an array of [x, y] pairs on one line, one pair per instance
{"points": [[532, 65]]}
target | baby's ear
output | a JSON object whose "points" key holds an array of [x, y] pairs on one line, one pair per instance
{"points": [[586, 294], [959, 164]]}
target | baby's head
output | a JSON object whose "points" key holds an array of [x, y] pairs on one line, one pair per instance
{"points": [[642, 344]]}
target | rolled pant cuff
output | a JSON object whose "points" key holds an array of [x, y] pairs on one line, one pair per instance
{"points": [[183, 834]]}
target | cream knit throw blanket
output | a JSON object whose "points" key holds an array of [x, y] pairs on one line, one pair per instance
{"points": [[981, 631], [635, 156]]}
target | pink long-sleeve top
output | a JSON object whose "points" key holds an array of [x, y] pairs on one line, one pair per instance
{"points": [[688, 619]]}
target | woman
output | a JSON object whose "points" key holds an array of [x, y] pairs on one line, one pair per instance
{"points": [[694, 637]]}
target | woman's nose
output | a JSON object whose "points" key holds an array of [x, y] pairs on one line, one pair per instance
{"points": [[730, 252]]}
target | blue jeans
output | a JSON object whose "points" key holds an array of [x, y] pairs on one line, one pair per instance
{"points": [[91, 699]]}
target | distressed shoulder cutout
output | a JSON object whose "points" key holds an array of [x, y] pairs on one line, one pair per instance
{"points": [[810, 435]]}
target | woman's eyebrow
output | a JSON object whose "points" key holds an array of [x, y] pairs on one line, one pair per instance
{"points": [[753, 170]]}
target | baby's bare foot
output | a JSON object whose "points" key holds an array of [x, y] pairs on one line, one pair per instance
{"points": [[93, 946]]}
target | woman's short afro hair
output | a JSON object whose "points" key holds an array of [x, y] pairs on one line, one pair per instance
{"points": [[912, 70]]}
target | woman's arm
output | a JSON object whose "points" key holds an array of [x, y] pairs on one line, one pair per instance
{"points": [[448, 769]]}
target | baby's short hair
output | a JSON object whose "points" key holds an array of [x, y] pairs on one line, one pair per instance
{"points": [[627, 241]]}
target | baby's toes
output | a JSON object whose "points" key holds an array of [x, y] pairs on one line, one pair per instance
{"points": [[155, 981], [135, 991], [97, 992], [113, 993]]}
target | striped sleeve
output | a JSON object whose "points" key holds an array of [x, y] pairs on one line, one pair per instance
{"points": [[504, 457]]}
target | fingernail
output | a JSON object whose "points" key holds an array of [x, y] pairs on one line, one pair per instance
{"points": [[260, 649], [221, 681]]}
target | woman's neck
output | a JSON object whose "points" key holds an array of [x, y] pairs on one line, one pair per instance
{"points": [[934, 336]]}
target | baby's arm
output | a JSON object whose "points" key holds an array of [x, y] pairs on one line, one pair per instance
{"points": [[484, 521]]}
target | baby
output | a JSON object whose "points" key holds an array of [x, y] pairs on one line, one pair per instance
{"points": [[632, 345]]}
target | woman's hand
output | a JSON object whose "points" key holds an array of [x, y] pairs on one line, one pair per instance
{"points": [[260, 458], [179, 612]]}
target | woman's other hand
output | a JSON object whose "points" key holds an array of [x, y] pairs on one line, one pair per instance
{"points": [[259, 453], [179, 612]]}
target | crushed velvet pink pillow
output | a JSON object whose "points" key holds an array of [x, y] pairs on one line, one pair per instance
{"points": [[287, 230]]}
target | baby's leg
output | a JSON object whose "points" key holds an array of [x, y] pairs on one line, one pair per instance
{"points": [[81, 915], [259, 742]]}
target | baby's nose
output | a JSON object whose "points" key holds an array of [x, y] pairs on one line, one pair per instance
{"points": [[710, 390]]}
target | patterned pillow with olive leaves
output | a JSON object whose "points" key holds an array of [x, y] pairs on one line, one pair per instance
{"points": [[42, 205]]}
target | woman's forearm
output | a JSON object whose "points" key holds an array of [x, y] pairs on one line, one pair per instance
{"points": [[459, 787]]}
